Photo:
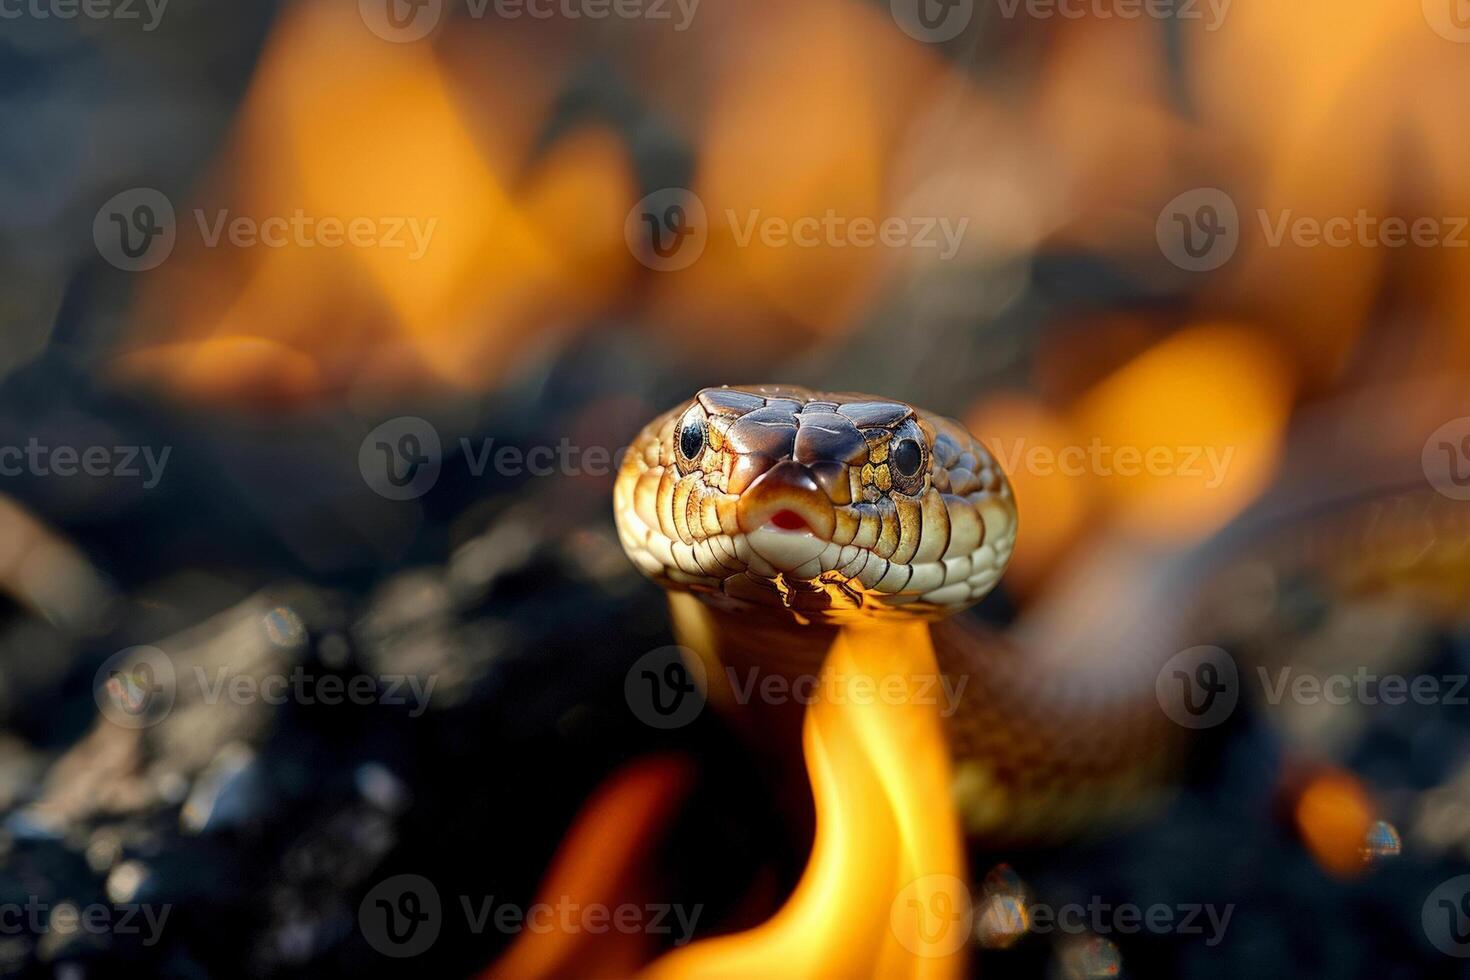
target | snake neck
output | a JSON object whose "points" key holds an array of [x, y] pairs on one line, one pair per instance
{"points": [[741, 650]]}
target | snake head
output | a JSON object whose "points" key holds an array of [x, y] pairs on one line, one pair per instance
{"points": [[830, 506]]}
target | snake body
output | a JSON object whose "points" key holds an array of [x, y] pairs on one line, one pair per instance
{"points": [[775, 515]]}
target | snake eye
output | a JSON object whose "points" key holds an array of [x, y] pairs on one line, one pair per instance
{"points": [[907, 457], [691, 438]]}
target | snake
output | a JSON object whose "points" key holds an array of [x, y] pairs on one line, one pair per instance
{"points": [[775, 515]]}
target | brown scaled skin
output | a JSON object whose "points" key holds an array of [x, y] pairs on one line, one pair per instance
{"points": [[822, 508]]}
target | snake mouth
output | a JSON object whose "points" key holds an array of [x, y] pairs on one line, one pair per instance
{"points": [[786, 498], [787, 518]]}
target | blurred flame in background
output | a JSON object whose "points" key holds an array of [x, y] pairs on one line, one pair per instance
{"points": [[1328, 108], [789, 112], [340, 124]]}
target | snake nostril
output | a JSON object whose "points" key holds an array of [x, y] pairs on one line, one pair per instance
{"points": [[789, 520]]}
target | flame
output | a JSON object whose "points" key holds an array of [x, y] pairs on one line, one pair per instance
{"points": [[1202, 415], [883, 893], [1215, 398], [795, 130], [1331, 108], [1012, 426], [1333, 814], [592, 864], [463, 267]]}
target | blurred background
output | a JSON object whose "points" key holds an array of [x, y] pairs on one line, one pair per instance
{"points": [[1196, 272]]}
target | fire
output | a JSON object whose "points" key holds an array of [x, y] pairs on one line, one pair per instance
{"points": [[593, 865], [1334, 814], [401, 229], [883, 893], [1168, 446]]}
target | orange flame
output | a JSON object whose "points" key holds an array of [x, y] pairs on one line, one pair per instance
{"points": [[1333, 813], [411, 243], [592, 864], [884, 893]]}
